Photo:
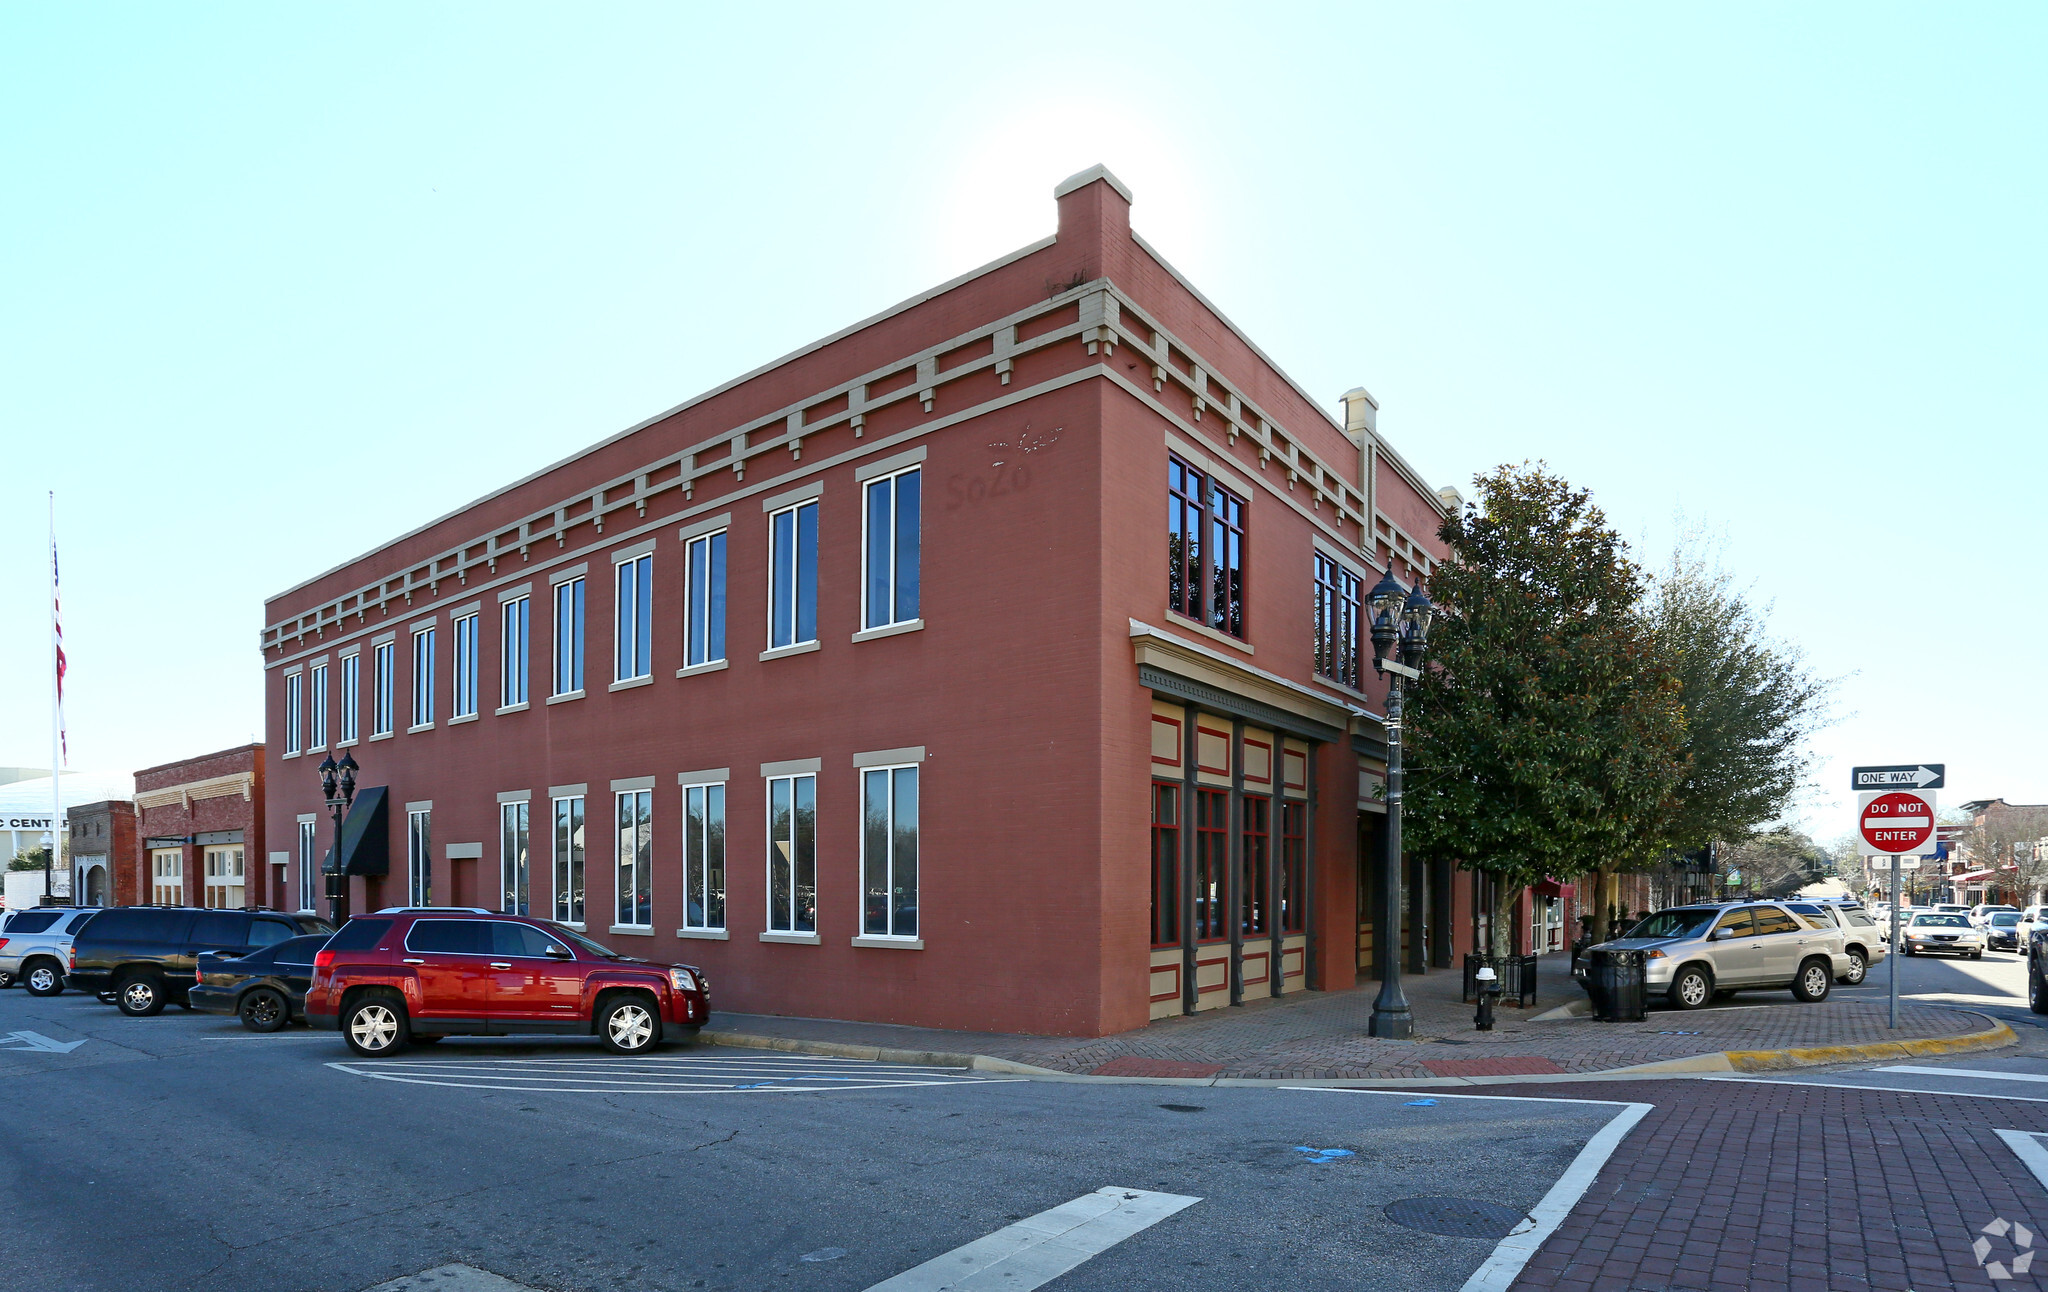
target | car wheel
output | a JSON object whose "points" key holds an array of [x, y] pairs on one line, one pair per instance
{"points": [[1858, 968], [139, 996], [629, 1025], [1692, 988], [375, 1026], [1911, 952], [1974, 955], [264, 1010], [43, 978], [1814, 980], [6, 981], [2037, 992]]}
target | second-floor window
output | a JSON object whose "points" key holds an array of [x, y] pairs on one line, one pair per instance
{"points": [[569, 637], [317, 707], [512, 651], [793, 576], [293, 683], [1205, 528], [1338, 594], [423, 677], [465, 667], [634, 626], [890, 531], [351, 696], [383, 685], [704, 627]]}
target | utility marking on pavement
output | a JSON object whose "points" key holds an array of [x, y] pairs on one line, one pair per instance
{"points": [[1984, 1074], [36, 1043], [1318, 1156], [1420, 1103], [2028, 1149], [1040, 1248], [660, 1075], [1514, 1251], [1874, 1090]]}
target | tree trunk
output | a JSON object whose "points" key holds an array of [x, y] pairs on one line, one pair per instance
{"points": [[1603, 906], [1503, 934]]}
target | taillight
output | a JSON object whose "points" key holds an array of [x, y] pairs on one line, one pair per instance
{"points": [[3, 944], [71, 961], [323, 960]]}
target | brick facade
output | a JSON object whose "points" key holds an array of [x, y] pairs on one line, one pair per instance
{"points": [[103, 853], [212, 804]]}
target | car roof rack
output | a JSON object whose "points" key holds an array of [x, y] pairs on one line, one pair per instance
{"points": [[433, 910]]}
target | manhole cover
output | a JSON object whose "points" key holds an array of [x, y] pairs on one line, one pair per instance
{"points": [[1454, 1217]]}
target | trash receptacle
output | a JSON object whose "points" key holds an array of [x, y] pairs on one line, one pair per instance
{"points": [[1614, 979]]}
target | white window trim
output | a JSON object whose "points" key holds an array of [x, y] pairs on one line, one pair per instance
{"points": [[860, 917], [803, 644], [423, 681], [636, 789], [894, 625], [475, 665], [582, 648], [507, 801], [685, 782], [506, 605], [791, 772], [558, 794], [618, 617], [349, 729], [294, 711], [690, 542]]}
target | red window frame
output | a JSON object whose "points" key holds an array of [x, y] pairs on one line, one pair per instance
{"points": [[1254, 917], [1339, 617], [1205, 549], [1212, 864], [1293, 867], [1165, 864]]}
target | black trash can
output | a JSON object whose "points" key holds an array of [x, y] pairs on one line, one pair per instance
{"points": [[1614, 979]]}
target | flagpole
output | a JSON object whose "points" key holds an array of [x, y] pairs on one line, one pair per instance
{"points": [[56, 709]]}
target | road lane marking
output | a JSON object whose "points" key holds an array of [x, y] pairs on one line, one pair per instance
{"points": [[36, 1043], [1874, 1090], [658, 1075], [1984, 1074], [2029, 1151], [1522, 1242], [1038, 1249]]}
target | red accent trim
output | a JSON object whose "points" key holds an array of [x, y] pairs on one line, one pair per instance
{"points": [[1289, 759]]}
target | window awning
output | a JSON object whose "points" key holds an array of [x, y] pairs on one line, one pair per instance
{"points": [[365, 846], [1975, 874], [1550, 888]]}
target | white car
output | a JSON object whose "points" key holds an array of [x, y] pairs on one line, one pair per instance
{"points": [[1981, 914], [2032, 918], [1944, 933]]}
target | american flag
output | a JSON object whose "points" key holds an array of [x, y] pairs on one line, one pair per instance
{"points": [[57, 628]]}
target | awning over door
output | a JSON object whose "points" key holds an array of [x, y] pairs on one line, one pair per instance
{"points": [[365, 837]]}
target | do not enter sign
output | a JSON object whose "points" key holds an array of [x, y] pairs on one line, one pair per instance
{"points": [[1898, 822]]}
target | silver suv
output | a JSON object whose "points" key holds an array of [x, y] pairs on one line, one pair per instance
{"points": [[1863, 938], [36, 945], [1699, 952]]}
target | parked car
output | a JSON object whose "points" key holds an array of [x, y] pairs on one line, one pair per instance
{"points": [[147, 956], [36, 946], [265, 987], [1950, 908], [1698, 952], [2002, 931], [2032, 918], [1980, 914], [1943, 932], [1862, 941], [384, 980]]}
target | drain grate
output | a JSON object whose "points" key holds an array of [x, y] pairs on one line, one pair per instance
{"points": [[1454, 1217]]}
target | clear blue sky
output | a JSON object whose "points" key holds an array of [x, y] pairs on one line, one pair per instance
{"points": [[283, 281]]}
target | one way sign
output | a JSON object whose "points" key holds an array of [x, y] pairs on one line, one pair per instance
{"points": [[1911, 776]]}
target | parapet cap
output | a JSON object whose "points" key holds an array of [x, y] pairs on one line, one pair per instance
{"points": [[1073, 183]]}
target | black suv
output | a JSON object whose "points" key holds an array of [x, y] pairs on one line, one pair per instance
{"points": [[147, 956]]}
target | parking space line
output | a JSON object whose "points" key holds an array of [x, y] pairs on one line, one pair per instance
{"points": [[1038, 1249], [654, 1075]]}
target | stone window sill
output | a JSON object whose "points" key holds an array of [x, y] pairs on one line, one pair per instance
{"points": [[705, 935], [565, 696], [799, 939], [780, 652], [630, 683], [636, 930], [711, 666], [889, 630], [891, 944], [418, 727], [467, 717], [520, 707]]}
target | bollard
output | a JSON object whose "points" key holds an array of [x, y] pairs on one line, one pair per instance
{"points": [[1488, 987]]}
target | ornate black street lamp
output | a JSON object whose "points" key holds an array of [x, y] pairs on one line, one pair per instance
{"points": [[1400, 631], [338, 783]]}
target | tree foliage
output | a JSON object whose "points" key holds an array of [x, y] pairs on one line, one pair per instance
{"points": [[1776, 862], [30, 858], [1548, 732]]}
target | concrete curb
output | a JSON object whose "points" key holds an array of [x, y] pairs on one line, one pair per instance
{"points": [[1718, 1061]]}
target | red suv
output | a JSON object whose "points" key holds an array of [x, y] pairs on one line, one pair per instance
{"points": [[422, 974]]}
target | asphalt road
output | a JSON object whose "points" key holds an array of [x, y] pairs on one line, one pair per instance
{"points": [[183, 1153]]}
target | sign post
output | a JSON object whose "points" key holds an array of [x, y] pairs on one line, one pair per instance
{"points": [[1895, 817]]}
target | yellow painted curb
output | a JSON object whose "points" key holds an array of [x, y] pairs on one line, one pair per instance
{"points": [[1996, 1036]]}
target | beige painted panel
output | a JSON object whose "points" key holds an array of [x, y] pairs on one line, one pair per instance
{"points": [[1294, 770], [1255, 972], [1166, 741], [1212, 977], [1212, 750], [1258, 760], [1293, 963]]}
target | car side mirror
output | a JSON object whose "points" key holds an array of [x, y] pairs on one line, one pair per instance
{"points": [[1721, 935], [558, 953]]}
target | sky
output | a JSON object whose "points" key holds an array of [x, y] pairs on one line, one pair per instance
{"points": [[282, 282]]}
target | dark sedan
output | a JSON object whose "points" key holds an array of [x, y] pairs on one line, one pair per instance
{"points": [[266, 987], [2002, 931]]}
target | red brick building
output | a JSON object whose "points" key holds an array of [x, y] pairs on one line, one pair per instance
{"points": [[201, 824], [102, 853], [884, 682]]}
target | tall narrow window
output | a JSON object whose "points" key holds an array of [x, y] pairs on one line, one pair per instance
{"points": [[636, 859], [419, 858], [1165, 864], [293, 684], [704, 633], [793, 576], [224, 879], [1252, 914], [317, 707], [514, 870], [1212, 863], [793, 854], [167, 876], [423, 677], [309, 864], [889, 591], [1205, 549], [385, 686], [1293, 867], [351, 696], [464, 632], [633, 627], [1338, 594], [569, 860], [888, 848], [569, 637], [512, 654], [704, 856]]}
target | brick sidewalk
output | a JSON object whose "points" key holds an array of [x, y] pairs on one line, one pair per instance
{"points": [[1322, 1035], [1725, 1186]]}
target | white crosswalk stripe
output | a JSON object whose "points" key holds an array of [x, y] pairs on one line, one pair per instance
{"points": [[1038, 1249], [659, 1074]]}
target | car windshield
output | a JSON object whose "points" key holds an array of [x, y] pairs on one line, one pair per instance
{"points": [[1681, 922], [595, 948], [1940, 922], [2005, 919]]}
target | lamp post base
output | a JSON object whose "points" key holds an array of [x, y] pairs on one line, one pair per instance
{"points": [[1391, 1024]]}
